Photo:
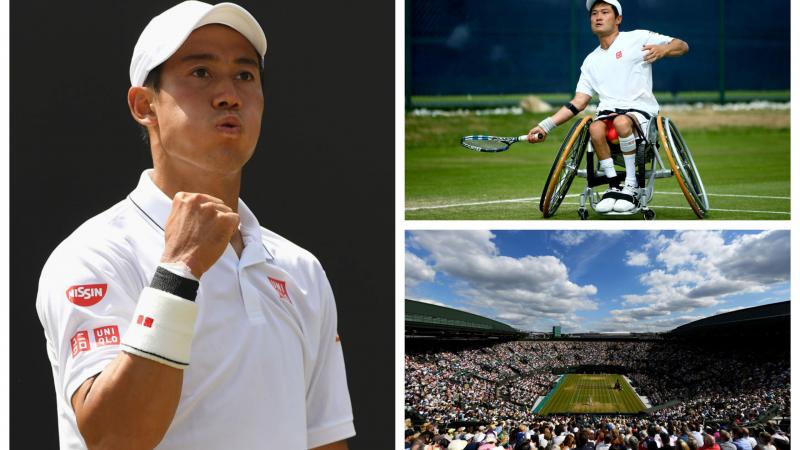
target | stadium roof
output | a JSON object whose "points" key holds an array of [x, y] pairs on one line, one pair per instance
{"points": [[421, 315], [771, 312]]}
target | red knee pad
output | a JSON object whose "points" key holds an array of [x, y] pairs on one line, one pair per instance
{"points": [[611, 132]]}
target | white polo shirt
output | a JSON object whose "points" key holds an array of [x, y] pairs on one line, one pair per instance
{"points": [[619, 74], [266, 359]]}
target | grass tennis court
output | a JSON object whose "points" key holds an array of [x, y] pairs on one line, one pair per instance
{"points": [[743, 157], [591, 394]]}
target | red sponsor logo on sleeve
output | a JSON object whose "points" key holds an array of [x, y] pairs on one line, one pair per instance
{"points": [[80, 342], [86, 294], [145, 321], [619, 54], [280, 286], [108, 335]]}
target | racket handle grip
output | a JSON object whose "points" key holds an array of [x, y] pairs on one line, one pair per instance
{"points": [[525, 138]]}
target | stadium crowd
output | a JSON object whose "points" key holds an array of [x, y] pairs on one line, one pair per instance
{"points": [[596, 433], [503, 382]]}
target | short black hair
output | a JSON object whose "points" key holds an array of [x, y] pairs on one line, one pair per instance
{"points": [[582, 438], [524, 444], [616, 13], [154, 78]]}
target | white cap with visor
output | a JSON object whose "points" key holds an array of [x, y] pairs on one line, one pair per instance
{"points": [[165, 34], [590, 3]]}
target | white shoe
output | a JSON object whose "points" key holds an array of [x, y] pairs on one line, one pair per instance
{"points": [[607, 203], [623, 204]]}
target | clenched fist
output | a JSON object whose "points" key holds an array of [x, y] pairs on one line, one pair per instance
{"points": [[536, 135], [198, 230]]}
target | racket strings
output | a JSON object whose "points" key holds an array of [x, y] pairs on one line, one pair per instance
{"points": [[486, 144]]}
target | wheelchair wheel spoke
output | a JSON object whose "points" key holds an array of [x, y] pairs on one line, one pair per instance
{"points": [[683, 166], [564, 168]]}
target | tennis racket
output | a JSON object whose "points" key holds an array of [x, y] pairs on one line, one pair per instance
{"points": [[492, 144]]}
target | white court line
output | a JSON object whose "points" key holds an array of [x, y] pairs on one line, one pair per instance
{"points": [[489, 202], [536, 199], [732, 195]]}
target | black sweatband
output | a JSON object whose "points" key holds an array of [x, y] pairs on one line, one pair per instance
{"points": [[572, 108], [166, 281]]}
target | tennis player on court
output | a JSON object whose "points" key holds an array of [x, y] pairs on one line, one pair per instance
{"points": [[174, 320], [620, 72]]}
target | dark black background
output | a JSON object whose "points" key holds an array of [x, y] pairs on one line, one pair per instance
{"points": [[76, 151]]}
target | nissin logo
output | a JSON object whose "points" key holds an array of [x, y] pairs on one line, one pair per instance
{"points": [[86, 294]]}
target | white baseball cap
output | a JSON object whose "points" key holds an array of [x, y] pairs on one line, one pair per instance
{"points": [[165, 34], [590, 3], [457, 445]]}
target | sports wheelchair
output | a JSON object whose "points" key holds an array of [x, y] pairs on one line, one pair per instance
{"points": [[662, 135]]}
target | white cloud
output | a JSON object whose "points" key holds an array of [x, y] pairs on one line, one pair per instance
{"points": [[528, 291], [417, 270], [760, 258], [570, 238], [625, 322], [688, 275], [432, 302], [637, 259], [699, 269], [688, 247]]}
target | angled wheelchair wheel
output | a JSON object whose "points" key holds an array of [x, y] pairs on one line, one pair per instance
{"points": [[683, 166], [564, 167]]}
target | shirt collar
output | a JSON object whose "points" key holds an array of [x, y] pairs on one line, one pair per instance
{"points": [[155, 204], [151, 201]]}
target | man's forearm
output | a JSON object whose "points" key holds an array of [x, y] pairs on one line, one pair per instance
{"points": [[677, 47], [130, 405], [564, 114], [561, 116]]}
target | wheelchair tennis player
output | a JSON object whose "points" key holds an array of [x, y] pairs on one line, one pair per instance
{"points": [[619, 70]]}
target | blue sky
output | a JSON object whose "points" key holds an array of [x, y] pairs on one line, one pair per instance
{"points": [[598, 280]]}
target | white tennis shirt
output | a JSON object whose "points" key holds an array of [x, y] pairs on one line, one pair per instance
{"points": [[619, 74], [266, 359]]}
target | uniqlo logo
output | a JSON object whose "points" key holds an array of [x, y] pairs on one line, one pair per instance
{"points": [[86, 294], [619, 54], [280, 286], [106, 336], [80, 342], [144, 321]]}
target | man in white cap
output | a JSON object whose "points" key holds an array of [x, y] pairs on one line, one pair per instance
{"points": [[489, 442], [174, 320], [480, 435], [619, 70]]}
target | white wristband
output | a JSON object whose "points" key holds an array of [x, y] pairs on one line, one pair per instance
{"points": [[162, 328], [548, 125]]}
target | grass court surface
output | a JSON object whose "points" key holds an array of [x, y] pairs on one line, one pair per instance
{"points": [[580, 394], [742, 156]]}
